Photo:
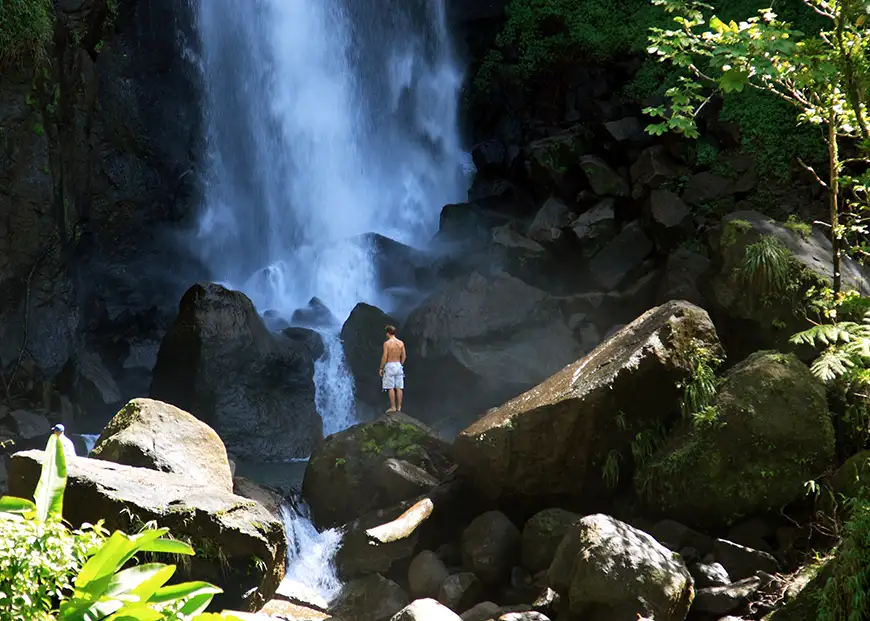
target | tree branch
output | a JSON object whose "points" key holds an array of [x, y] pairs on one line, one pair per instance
{"points": [[812, 172]]}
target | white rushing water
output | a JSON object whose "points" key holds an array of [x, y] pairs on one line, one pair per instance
{"points": [[325, 120]]}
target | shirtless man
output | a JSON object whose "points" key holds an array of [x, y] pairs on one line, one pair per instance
{"points": [[392, 370]]}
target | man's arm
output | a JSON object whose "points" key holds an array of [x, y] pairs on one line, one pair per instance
{"points": [[403, 355], [383, 359]]}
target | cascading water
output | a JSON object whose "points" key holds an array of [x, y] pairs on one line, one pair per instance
{"points": [[326, 120]]}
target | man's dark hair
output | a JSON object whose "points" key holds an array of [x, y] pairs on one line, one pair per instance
{"points": [[391, 330]]}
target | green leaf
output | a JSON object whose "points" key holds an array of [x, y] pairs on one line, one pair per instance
{"points": [[194, 590], [141, 580], [168, 546], [52, 482], [136, 612], [733, 80], [718, 25], [11, 504]]}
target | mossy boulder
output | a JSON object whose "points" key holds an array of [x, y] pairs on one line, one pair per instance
{"points": [[607, 570], [769, 432], [542, 535], [749, 312], [852, 479], [572, 434], [156, 435], [345, 478]]}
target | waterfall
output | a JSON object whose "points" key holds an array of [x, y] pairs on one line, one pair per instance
{"points": [[325, 120], [310, 555]]}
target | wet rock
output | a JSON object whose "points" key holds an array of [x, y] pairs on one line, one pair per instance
{"points": [[310, 339], [487, 337], [626, 129], [426, 574], [489, 156], [363, 337], [626, 252], [709, 575], [426, 610], [341, 480], [721, 600], [654, 167], [677, 536], [156, 435], [460, 591], [251, 542], [608, 570], [315, 315], [553, 439], [596, 227], [682, 276], [669, 218], [256, 389], [550, 220], [280, 609], [270, 500], [552, 161], [772, 432], [373, 598], [29, 425], [484, 611], [542, 535], [602, 178], [491, 546], [742, 562]]}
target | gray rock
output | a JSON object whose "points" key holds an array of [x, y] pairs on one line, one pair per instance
{"points": [[628, 128], [677, 536], [652, 169], [426, 574], [627, 251], [156, 435], [709, 575], [491, 546], [30, 424], [460, 591], [602, 178], [606, 569], [542, 534], [316, 314], [705, 187], [681, 278], [742, 562], [553, 216], [426, 610], [722, 600], [595, 227], [373, 598], [256, 389], [363, 336], [483, 611]]}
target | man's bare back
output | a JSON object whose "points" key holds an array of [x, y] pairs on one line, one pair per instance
{"points": [[392, 369], [394, 350]]}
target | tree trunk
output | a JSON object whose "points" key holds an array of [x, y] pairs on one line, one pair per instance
{"points": [[834, 191]]}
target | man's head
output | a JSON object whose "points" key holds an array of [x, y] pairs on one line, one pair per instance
{"points": [[58, 429], [391, 330]]}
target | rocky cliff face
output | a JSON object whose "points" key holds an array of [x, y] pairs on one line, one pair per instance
{"points": [[97, 156]]}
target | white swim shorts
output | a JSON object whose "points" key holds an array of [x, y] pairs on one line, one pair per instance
{"points": [[394, 376]]}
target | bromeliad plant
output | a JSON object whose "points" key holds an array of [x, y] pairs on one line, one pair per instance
{"points": [[48, 572]]}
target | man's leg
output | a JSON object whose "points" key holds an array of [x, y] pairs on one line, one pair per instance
{"points": [[399, 392], [392, 392]]}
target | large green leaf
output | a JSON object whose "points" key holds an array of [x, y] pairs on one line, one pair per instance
{"points": [[114, 554], [140, 580], [168, 546], [136, 612], [52, 482], [19, 506], [175, 592]]}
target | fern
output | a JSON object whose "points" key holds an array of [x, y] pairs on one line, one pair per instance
{"points": [[847, 348], [610, 470]]}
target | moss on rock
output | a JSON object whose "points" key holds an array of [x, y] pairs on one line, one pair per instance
{"points": [[772, 434], [26, 27]]}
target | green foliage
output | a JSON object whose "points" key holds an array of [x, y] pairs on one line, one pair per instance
{"points": [[39, 556], [610, 469], [700, 389], [545, 32], [846, 595], [26, 28], [766, 268], [795, 224], [770, 133]]}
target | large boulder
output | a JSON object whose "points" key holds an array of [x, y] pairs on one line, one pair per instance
{"points": [[426, 610], [240, 546], [491, 547], [769, 432], [373, 598], [156, 435], [542, 535], [487, 337], [255, 388], [373, 466], [363, 338], [560, 437], [607, 570], [749, 313]]}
